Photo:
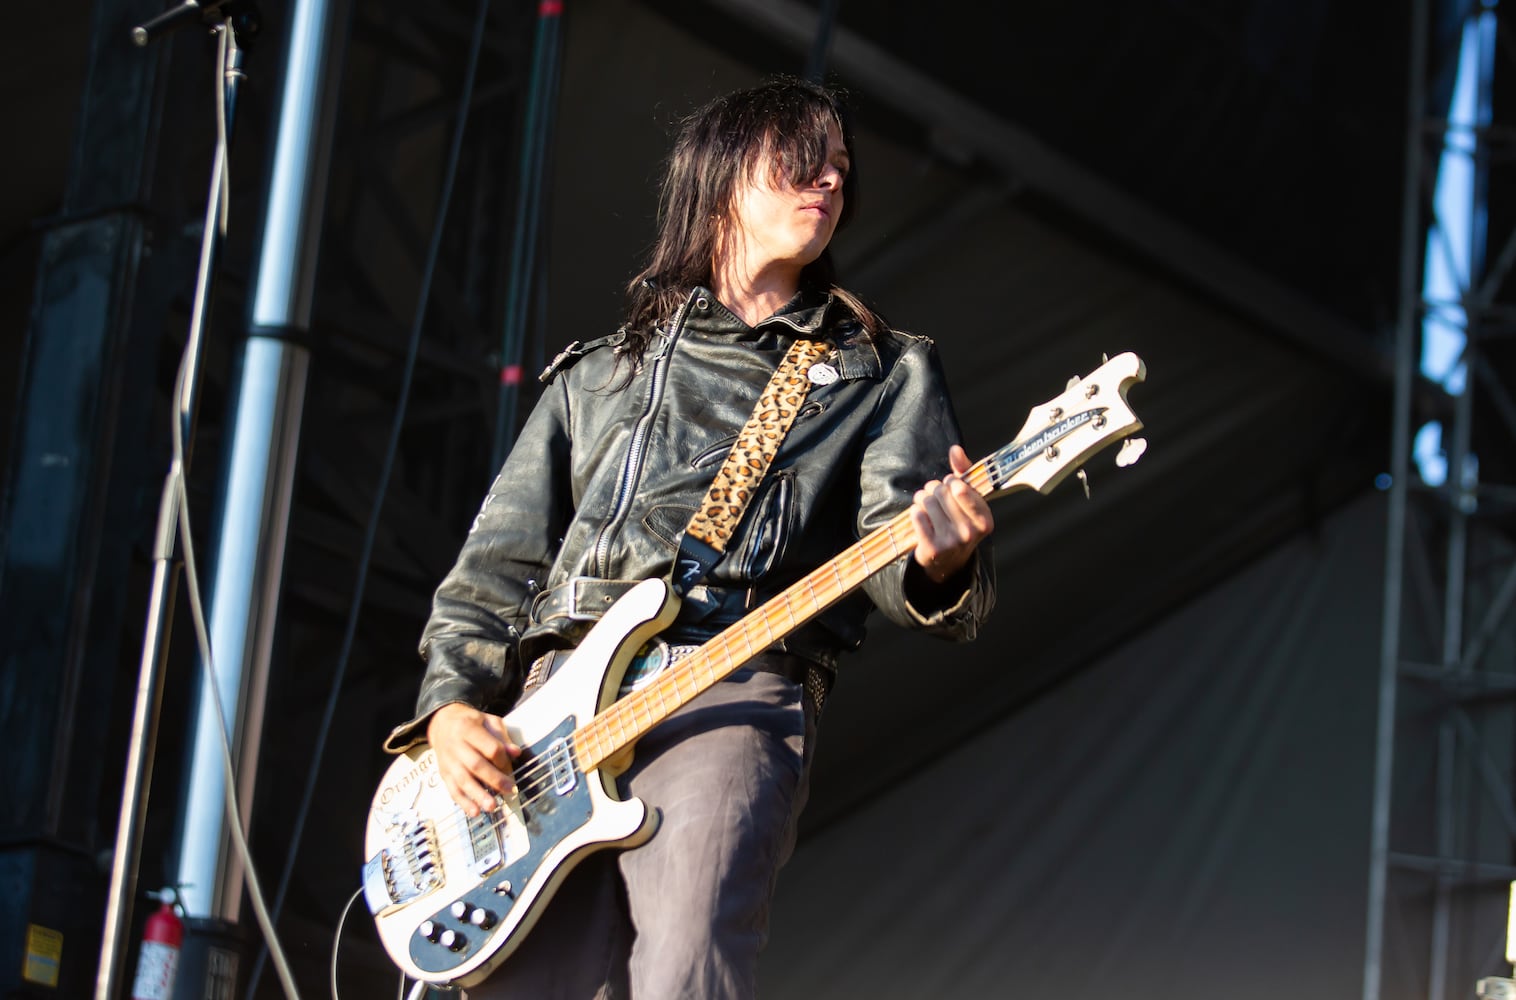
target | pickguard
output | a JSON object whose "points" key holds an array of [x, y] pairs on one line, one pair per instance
{"points": [[555, 801]]}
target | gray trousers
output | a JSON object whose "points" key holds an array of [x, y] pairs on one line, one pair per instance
{"points": [[686, 914]]}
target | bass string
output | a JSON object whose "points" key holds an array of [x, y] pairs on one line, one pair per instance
{"points": [[532, 775]]}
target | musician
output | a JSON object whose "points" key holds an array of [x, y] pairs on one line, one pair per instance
{"points": [[596, 494]]}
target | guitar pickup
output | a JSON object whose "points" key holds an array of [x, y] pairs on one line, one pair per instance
{"points": [[565, 775], [483, 834]]}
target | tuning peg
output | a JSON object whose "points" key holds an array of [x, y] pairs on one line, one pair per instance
{"points": [[1104, 357], [1071, 382], [1084, 480], [1131, 451]]}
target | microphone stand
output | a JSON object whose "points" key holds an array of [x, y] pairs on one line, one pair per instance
{"points": [[220, 15], [210, 13]]}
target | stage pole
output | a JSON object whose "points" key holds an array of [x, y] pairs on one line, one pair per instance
{"points": [[1412, 244], [256, 490]]}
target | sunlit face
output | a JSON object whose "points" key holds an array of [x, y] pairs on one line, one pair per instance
{"points": [[775, 222]]}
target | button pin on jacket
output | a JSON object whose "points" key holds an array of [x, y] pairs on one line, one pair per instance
{"points": [[823, 374]]}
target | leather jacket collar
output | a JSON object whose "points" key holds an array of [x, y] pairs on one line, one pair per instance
{"points": [[807, 315], [804, 315]]}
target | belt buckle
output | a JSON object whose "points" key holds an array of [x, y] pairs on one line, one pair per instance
{"points": [[652, 659]]}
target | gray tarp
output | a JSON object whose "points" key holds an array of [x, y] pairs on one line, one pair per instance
{"points": [[1188, 818]]}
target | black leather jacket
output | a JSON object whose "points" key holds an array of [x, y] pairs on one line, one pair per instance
{"points": [[615, 458]]}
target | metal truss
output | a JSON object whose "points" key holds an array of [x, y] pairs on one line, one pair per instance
{"points": [[402, 79], [1444, 816]]}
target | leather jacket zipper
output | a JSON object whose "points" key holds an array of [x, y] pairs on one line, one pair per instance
{"points": [[637, 450]]}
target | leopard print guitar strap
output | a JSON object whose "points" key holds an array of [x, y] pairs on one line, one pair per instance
{"points": [[711, 527]]}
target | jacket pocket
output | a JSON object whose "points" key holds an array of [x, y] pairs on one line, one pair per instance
{"points": [[770, 524], [667, 523]]}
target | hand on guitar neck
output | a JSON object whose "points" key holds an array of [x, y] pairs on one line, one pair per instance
{"points": [[474, 756], [951, 518]]}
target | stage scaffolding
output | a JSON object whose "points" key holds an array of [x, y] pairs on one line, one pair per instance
{"points": [[1444, 817]]}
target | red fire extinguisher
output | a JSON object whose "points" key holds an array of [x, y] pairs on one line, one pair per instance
{"points": [[161, 940]]}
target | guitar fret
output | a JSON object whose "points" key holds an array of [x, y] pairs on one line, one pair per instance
{"points": [[632, 729], [593, 746], [714, 671]]}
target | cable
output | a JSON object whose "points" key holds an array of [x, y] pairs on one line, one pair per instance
{"points": [[226, 45], [337, 939], [526, 235], [821, 47], [372, 530]]}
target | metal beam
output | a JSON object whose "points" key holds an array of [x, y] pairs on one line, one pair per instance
{"points": [[1461, 906], [893, 81]]}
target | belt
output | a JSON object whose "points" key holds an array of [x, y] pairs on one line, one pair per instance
{"points": [[815, 679], [586, 598], [810, 675]]}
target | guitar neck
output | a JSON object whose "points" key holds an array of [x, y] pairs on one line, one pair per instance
{"points": [[626, 721]]}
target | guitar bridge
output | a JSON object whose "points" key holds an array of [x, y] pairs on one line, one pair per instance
{"points": [[408, 867]]}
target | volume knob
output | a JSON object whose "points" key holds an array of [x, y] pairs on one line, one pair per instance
{"points": [[452, 940]]}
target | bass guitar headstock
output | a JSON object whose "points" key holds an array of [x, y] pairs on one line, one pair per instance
{"points": [[1059, 435]]}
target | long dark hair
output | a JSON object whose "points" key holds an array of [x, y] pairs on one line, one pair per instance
{"points": [[784, 120]]}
